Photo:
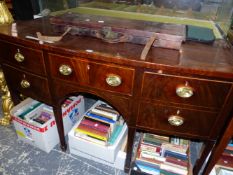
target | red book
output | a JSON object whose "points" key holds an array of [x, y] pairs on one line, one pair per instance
{"points": [[94, 124], [91, 130], [226, 161], [229, 148], [175, 161]]}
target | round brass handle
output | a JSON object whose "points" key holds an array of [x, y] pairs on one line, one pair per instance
{"points": [[25, 84], [176, 120], [184, 91], [113, 80], [19, 57], [65, 69]]}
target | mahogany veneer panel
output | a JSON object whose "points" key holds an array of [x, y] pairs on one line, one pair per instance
{"points": [[33, 59], [80, 73], [196, 123], [207, 93], [99, 73], [39, 88], [92, 74]]}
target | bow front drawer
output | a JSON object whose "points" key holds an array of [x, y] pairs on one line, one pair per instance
{"points": [[185, 90], [28, 84], [23, 57], [177, 121]]}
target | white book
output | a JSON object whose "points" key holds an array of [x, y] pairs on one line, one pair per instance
{"points": [[105, 114]]}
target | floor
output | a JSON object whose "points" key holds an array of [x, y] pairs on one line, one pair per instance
{"points": [[19, 158]]}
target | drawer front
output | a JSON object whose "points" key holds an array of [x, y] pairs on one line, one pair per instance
{"points": [[195, 122], [185, 90], [28, 84], [75, 71], [23, 57], [101, 76], [112, 78]]}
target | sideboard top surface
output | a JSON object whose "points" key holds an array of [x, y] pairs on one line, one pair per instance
{"points": [[192, 58]]}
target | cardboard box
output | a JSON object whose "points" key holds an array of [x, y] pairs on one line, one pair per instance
{"points": [[119, 163], [105, 153], [44, 136], [73, 112]]}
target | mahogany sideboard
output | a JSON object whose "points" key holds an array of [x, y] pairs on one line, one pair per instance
{"points": [[186, 93]]}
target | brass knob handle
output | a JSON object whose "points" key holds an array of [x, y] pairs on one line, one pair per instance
{"points": [[22, 97], [19, 57], [113, 80], [25, 84], [176, 120], [184, 91], [65, 69]]}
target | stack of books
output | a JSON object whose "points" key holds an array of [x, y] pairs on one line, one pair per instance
{"points": [[42, 118], [162, 155], [224, 165], [101, 125]]}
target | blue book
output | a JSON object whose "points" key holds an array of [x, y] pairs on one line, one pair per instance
{"points": [[176, 155], [148, 169], [147, 163], [100, 117]]}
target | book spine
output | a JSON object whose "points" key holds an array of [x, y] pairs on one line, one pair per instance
{"points": [[150, 148], [95, 125], [92, 131], [107, 110], [173, 169], [164, 172], [90, 139], [89, 118], [172, 147], [115, 134], [112, 125], [176, 161], [100, 117], [157, 137], [148, 154], [92, 134], [29, 109], [176, 165], [176, 155], [105, 106], [105, 114]]}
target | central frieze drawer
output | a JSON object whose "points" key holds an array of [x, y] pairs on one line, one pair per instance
{"points": [[181, 121], [23, 57], [96, 75], [112, 78], [185, 90], [28, 84]]}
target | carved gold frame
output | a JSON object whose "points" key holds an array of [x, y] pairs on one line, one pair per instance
{"points": [[7, 103]]}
